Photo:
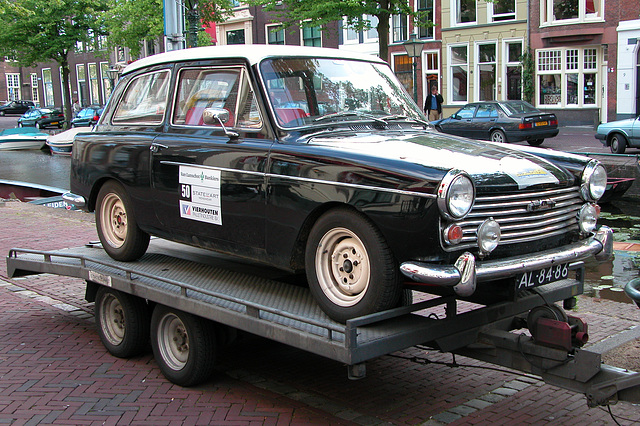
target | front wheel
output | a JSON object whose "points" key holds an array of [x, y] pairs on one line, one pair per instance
{"points": [[38, 125], [123, 322], [498, 136], [618, 144], [350, 268], [535, 142], [183, 345], [117, 225]]}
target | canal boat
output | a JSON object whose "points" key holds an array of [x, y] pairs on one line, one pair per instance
{"points": [[22, 138], [62, 143]]}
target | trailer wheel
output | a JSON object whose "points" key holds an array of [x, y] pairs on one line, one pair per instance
{"points": [[183, 346], [117, 225], [123, 322], [350, 268]]}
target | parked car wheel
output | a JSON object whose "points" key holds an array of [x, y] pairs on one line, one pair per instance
{"points": [[535, 142], [350, 268], [618, 143], [1, 113], [117, 226], [38, 125], [123, 322], [184, 345], [20, 125], [498, 136]]}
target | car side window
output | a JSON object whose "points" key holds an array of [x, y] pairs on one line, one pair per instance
{"points": [[466, 111], [486, 111], [144, 100], [225, 89]]}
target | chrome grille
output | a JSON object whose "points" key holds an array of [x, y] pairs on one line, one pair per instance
{"points": [[519, 220]]}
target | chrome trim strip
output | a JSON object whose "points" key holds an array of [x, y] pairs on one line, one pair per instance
{"points": [[76, 200], [302, 179]]}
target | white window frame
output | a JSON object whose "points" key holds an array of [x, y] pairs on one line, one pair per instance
{"points": [[492, 16], [581, 70], [79, 81], [13, 86], [433, 19], [106, 81], [547, 18], [450, 73], [35, 96], [45, 85], [302, 36], [94, 86], [506, 64], [268, 29], [478, 64], [427, 70], [454, 15]]}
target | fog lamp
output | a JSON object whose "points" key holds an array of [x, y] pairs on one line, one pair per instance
{"points": [[588, 217], [452, 234], [488, 236]]}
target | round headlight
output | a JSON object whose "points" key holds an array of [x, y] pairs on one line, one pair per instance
{"points": [[488, 236], [594, 181], [455, 195], [588, 217]]}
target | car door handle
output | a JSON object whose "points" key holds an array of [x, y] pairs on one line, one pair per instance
{"points": [[155, 147]]}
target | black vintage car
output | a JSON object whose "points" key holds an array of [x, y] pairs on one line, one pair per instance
{"points": [[211, 147], [501, 121], [16, 107]]}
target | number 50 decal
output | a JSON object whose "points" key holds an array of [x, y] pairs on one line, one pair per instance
{"points": [[186, 191]]}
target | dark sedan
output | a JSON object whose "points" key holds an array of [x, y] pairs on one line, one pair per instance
{"points": [[501, 121], [87, 117], [41, 118], [16, 107]]}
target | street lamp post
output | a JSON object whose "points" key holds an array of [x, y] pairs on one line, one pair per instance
{"points": [[413, 46], [113, 74], [193, 19]]}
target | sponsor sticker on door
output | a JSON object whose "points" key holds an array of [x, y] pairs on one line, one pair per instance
{"points": [[200, 194]]}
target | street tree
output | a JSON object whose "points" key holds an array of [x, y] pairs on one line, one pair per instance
{"points": [[131, 22], [354, 13], [33, 31]]}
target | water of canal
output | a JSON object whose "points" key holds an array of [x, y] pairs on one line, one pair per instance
{"points": [[603, 280]]}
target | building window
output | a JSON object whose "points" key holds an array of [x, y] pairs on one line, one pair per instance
{"points": [[464, 11], [372, 34], [486, 73], [572, 83], [311, 36], [47, 84], [513, 77], [13, 87], [275, 34], [561, 12], [431, 69], [83, 88], [94, 84], [502, 10], [427, 7], [235, 36], [106, 81], [35, 97], [402, 68], [458, 73], [399, 28]]}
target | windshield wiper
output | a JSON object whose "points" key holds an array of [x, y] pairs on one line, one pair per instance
{"points": [[349, 114], [404, 117]]}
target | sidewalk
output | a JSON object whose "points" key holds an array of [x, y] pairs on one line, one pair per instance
{"points": [[54, 370]]}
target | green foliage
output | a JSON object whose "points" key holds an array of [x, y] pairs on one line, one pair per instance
{"points": [[131, 22], [324, 12], [528, 76]]}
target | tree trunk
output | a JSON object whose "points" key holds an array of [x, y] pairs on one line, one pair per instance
{"points": [[383, 30], [66, 92]]}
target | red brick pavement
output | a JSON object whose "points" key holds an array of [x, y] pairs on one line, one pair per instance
{"points": [[53, 369]]}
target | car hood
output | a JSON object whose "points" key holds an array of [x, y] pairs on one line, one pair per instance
{"points": [[491, 166], [619, 124]]}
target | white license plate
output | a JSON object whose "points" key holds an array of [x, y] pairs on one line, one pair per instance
{"points": [[541, 276]]}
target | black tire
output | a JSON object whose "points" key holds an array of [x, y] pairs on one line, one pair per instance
{"points": [[366, 280], [123, 322], [20, 125], [38, 126], [406, 298], [1, 113], [535, 142], [498, 136], [618, 143], [116, 223], [184, 346]]}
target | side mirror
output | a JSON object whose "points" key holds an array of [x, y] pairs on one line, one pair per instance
{"points": [[213, 116], [456, 117]]}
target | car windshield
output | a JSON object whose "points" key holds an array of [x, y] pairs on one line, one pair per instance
{"points": [[304, 91], [521, 107]]}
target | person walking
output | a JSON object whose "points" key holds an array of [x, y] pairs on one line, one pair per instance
{"points": [[433, 104]]}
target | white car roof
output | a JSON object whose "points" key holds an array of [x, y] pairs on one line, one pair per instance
{"points": [[254, 53]]}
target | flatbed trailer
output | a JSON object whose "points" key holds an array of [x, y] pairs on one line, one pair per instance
{"points": [[176, 287]]}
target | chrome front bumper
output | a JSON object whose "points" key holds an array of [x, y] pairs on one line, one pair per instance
{"points": [[466, 271], [73, 199]]}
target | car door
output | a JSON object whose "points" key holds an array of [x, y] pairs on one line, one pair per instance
{"points": [[484, 121], [209, 175], [460, 123]]}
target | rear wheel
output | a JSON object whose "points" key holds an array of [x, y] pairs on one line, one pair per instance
{"points": [[535, 142], [618, 144], [117, 225], [38, 125], [123, 322], [350, 268], [498, 136], [183, 345]]}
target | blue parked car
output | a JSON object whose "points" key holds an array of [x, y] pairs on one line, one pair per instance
{"points": [[618, 135]]}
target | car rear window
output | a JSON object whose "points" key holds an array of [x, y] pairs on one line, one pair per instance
{"points": [[513, 108], [144, 100]]}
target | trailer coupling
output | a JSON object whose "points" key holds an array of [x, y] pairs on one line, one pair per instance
{"points": [[553, 352]]}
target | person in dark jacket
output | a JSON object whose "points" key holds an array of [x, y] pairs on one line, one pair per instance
{"points": [[433, 104]]}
